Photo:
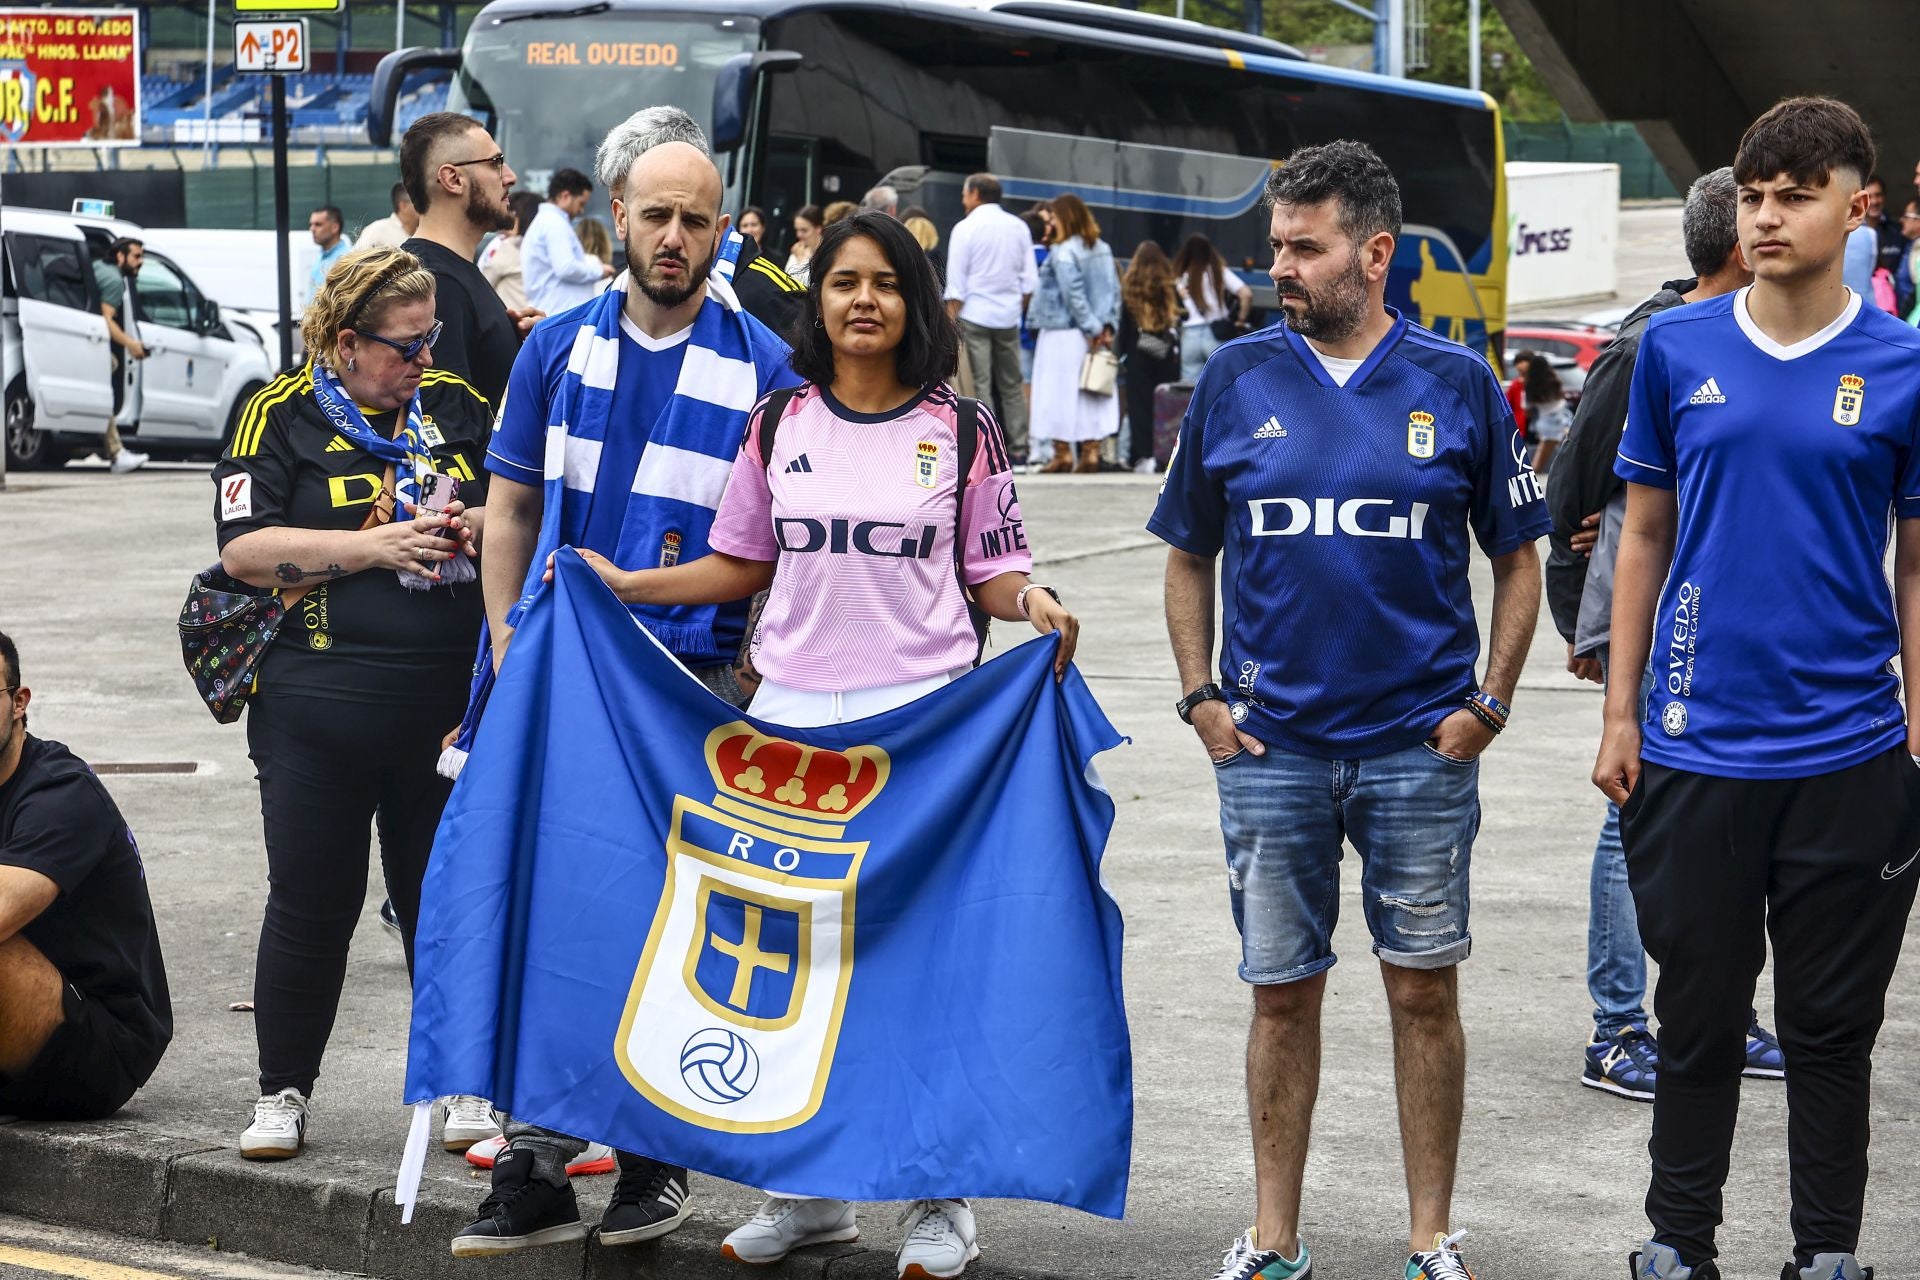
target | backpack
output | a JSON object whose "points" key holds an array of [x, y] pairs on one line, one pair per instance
{"points": [[774, 408]]}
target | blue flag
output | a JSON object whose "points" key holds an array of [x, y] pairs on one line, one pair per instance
{"points": [[873, 961]]}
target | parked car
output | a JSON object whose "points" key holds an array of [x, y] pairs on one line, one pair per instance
{"points": [[1581, 343], [182, 401]]}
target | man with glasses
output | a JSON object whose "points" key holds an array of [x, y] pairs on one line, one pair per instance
{"points": [[459, 181], [84, 1011]]}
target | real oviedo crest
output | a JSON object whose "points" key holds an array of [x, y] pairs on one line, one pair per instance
{"points": [[1848, 399], [1420, 434], [735, 1011], [926, 463]]}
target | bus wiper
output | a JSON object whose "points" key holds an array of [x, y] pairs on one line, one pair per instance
{"points": [[578, 11]]}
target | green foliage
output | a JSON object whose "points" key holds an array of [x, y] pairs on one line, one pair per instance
{"points": [[1513, 83]]}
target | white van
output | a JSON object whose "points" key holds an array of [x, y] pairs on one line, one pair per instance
{"points": [[182, 401]]}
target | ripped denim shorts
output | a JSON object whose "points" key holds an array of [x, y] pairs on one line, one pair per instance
{"points": [[1412, 816]]}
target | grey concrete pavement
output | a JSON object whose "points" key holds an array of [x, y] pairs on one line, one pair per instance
{"points": [[92, 571]]}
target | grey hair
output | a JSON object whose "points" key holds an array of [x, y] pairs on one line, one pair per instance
{"points": [[1710, 224], [638, 134], [882, 198]]}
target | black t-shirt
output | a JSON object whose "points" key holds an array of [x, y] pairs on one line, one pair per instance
{"points": [[480, 339], [57, 819], [364, 637]]}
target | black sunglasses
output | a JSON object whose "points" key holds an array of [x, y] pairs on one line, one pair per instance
{"points": [[407, 350], [498, 159]]}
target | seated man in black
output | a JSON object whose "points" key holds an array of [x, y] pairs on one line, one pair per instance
{"points": [[84, 1014]]}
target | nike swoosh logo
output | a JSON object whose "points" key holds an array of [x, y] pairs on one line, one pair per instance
{"points": [[1890, 871]]}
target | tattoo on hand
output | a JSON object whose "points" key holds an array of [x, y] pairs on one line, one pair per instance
{"points": [[293, 574]]}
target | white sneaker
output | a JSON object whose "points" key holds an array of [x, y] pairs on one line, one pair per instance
{"points": [[1145, 467], [279, 1127], [597, 1158], [781, 1226], [469, 1120], [940, 1239], [126, 460]]}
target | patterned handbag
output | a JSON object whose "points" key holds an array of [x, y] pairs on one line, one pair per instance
{"points": [[225, 628]]}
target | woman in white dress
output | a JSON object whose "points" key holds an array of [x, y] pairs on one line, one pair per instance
{"points": [[1075, 311]]}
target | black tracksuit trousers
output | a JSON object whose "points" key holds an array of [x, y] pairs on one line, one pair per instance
{"points": [[1826, 866]]}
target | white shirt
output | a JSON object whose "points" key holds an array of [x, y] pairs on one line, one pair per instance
{"points": [[383, 233], [1206, 308], [1337, 368], [559, 273], [990, 267]]}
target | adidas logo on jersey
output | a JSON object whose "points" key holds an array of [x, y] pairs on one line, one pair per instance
{"points": [[1270, 430], [1709, 393], [801, 465]]}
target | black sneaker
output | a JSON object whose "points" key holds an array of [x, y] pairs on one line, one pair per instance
{"points": [[649, 1201], [1662, 1263], [390, 919], [1828, 1266], [521, 1212]]}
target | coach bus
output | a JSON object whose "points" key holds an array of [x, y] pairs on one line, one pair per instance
{"points": [[1163, 127]]}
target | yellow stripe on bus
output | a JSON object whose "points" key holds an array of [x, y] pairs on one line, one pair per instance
{"points": [[1235, 59]]}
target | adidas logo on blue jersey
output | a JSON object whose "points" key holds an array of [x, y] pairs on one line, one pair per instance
{"points": [[1270, 430], [1709, 393]]}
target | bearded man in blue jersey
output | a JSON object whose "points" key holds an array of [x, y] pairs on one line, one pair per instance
{"points": [[1345, 463], [1772, 441]]}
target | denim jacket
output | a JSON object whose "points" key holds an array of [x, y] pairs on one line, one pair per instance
{"points": [[1079, 289]]}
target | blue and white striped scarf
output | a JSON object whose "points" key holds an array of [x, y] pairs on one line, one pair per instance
{"points": [[682, 474], [410, 453]]}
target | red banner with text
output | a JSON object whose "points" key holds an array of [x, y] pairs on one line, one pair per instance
{"points": [[70, 77]]}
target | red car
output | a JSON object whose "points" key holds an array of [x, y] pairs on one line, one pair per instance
{"points": [[1580, 343]]}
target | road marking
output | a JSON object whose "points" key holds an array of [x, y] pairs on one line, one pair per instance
{"points": [[57, 1264]]}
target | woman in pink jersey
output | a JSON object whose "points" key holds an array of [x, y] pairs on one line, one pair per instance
{"points": [[857, 500]]}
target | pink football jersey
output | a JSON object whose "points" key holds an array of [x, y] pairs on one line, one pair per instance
{"points": [[858, 511]]}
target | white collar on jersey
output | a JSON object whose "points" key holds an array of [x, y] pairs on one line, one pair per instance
{"points": [[1806, 345]]}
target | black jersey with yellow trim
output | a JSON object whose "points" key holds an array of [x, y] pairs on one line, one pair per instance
{"points": [[360, 636], [769, 294]]}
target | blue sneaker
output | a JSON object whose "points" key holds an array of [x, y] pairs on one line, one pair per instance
{"points": [[1626, 1065], [1764, 1059], [1248, 1261], [1659, 1262], [1828, 1266]]}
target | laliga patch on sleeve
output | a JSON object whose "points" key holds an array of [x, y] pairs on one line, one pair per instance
{"points": [[236, 497]]}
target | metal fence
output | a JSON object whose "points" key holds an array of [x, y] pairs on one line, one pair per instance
{"points": [[1641, 177]]}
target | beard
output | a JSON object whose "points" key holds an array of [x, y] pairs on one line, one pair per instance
{"points": [[667, 295], [1337, 312], [484, 216]]}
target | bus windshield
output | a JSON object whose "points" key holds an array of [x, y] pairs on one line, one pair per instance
{"points": [[556, 85]]}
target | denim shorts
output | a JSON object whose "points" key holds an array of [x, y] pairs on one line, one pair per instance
{"points": [[1412, 816]]}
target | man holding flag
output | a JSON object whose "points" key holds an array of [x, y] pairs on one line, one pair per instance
{"points": [[621, 422]]}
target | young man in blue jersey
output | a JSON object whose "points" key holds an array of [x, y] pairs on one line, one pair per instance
{"points": [[1622, 1057], [1772, 441], [1345, 463]]}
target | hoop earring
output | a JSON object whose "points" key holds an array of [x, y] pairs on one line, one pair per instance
{"points": [[819, 322], [349, 364]]}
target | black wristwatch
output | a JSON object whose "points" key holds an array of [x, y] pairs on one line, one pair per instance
{"points": [[1208, 692]]}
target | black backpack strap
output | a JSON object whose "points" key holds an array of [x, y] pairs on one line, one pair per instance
{"points": [[969, 445], [772, 409]]}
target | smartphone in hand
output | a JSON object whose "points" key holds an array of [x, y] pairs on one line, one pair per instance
{"points": [[437, 492]]}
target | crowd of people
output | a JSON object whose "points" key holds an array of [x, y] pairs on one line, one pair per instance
{"points": [[439, 435]]}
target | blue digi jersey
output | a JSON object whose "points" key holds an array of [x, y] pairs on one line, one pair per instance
{"points": [[1774, 643], [1344, 513]]}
